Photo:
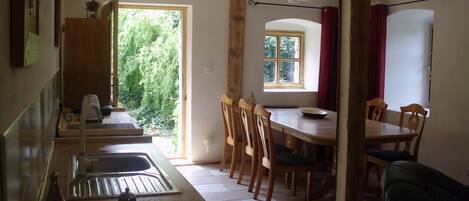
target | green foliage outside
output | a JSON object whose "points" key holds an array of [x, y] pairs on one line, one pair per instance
{"points": [[288, 49], [149, 68]]}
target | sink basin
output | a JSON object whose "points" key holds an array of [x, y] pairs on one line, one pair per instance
{"points": [[117, 163], [103, 126], [108, 175]]}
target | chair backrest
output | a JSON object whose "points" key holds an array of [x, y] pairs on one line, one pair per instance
{"points": [[227, 109], [415, 122], [378, 109], [264, 136], [246, 111]]}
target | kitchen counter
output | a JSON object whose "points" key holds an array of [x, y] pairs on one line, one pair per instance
{"points": [[63, 151], [125, 125]]}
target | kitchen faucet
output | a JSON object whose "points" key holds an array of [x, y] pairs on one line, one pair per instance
{"points": [[86, 107]]}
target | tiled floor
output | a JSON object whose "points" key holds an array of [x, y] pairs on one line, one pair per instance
{"points": [[214, 185]]}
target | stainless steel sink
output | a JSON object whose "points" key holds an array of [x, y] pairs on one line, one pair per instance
{"points": [[108, 175], [103, 126], [117, 163]]}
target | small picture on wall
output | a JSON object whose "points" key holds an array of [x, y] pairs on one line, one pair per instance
{"points": [[24, 32]]}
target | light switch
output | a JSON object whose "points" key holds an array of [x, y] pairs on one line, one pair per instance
{"points": [[208, 68]]}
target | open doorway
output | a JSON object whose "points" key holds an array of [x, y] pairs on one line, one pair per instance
{"points": [[151, 72]]}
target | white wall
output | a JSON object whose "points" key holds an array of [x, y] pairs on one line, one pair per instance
{"points": [[18, 86], [445, 143], [312, 47], [407, 53], [256, 18]]}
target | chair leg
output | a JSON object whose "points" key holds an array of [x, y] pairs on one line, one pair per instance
{"points": [[225, 157], [287, 180], [270, 190], [241, 169], [234, 158], [260, 176], [366, 169], [293, 182], [309, 185], [252, 178], [378, 173]]}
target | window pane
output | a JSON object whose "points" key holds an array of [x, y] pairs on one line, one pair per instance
{"points": [[270, 45], [290, 47], [269, 71], [290, 72]]}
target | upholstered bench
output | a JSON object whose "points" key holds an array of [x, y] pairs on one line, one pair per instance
{"points": [[410, 181]]}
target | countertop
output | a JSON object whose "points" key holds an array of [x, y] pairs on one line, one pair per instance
{"points": [[116, 117], [60, 162]]}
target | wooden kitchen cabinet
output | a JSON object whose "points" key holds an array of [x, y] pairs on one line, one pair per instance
{"points": [[87, 67]]}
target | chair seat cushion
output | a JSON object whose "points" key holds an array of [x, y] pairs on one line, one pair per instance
{"points": [[371, 146], [286, 158], [280, 148], [389, 155]]}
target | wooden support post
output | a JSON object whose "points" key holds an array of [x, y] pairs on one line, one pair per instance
{"points": [[236, 49], [353, 84]]}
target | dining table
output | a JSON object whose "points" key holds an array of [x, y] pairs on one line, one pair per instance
{"points": [[323, 131]]}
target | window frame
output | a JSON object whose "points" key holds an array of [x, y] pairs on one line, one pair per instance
{"points": [[277, 84]]}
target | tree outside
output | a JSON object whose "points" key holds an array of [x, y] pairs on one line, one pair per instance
{"points": [[149, 42], [289, 49]]}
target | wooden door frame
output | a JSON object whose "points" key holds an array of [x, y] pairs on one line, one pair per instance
{"points": [[183, 67]]}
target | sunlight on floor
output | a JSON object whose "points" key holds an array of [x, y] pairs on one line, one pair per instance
{"points": [[166, 145]]}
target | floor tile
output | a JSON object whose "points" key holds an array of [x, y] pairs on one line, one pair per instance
{"points": [[214, 185], [210, 188], [218, 173]]}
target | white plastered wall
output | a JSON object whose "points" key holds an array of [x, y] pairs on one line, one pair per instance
{"points": [[19, 86]]}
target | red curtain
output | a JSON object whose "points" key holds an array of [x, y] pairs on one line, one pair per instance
{"points": [[377, 52], [327, 89]]}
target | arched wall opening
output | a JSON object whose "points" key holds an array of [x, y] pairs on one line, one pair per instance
{"points": [[408, 58], [310, 48]]}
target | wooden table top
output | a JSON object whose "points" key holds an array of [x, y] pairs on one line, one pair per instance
{"points": [[323, 131]]}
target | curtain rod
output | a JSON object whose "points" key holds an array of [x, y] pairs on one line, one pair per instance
{"points": [[405, 3], [255, 3]]}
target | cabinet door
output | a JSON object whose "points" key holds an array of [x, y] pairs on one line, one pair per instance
{"points": [[87, 60]]}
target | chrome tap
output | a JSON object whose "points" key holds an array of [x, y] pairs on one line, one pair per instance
{"points": [[82, 162]]}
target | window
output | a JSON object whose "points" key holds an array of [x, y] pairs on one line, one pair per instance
{"points": [[408, 58], [283, 60]]}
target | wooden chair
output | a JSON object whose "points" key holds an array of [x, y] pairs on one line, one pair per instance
{"points": [[378, 109], [231, 134], [249, 145], [276, 161], [416, 123]]}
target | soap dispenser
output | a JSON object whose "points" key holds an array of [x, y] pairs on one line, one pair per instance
{"points": [[127, 196]]}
